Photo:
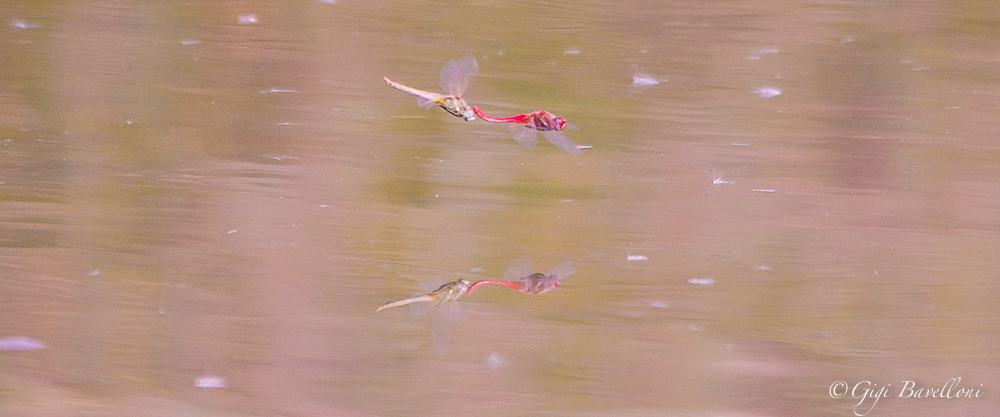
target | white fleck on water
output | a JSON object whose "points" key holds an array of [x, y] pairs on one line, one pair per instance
{"points": [[494, 361], [210, 381], [767, 92], [644, 80]]}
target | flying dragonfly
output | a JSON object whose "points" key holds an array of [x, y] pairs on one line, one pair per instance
{"points": [[447, 315], [525, 128], [455, 77], [519, 277]]}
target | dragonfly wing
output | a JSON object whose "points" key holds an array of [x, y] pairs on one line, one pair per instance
{"points": [[425, 103], [524, 134], [563, 271], [562, 141], [455, 75], [446, 316], [517, 270], [429, 286], [420, 309], [571, 126]]}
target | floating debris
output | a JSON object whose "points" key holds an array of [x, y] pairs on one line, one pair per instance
{"points": [[190, 42], [633, 258], [248, 19], [762, 190], [644, 80], [23, 24], [702, 281], [210, 381], [20, 343], [760, 52], [572, 51], [659, 304], [495, 361], [767, 92]]}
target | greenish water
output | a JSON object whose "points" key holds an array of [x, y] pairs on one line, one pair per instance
{"points": [[185, 195]]}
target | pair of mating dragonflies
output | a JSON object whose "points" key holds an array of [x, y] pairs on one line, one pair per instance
{"points": [[455, 77], [518, 276]]}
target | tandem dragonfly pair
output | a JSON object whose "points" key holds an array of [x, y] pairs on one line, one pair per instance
{"points": [[455, 77]]}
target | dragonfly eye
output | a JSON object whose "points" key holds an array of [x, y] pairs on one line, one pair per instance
{"points": [[560, 123]]}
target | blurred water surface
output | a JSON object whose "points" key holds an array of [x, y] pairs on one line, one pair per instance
{"points": [[219, 194]]}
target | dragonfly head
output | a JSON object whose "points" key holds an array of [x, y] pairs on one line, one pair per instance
{"points": [[469, 115], [560, 123]]}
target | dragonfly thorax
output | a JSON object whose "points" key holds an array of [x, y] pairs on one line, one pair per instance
{"points": [[457, 107]]}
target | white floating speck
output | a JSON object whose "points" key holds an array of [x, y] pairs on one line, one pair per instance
{"points": [[659, 304], [702, 281], [763, 268], [94, 273], [328, 1], [636, 258], [572, 51], [478, 269], [566, 201], [20, 343], [767, 92], [247, 19], [23, 24], [190, 42], [210, 381], [585, 147], [762, 190], [644, 80], [231, 232], [325, 206], [495, 361]]}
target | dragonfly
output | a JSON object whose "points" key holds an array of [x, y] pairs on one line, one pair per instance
{"points": [[455, 76], [525, 126], [445, 316], [519, 277]]}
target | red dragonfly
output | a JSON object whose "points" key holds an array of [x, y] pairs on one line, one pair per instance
{"points": [[525, 126], [444, 317], [455, 76], [518, 277]]}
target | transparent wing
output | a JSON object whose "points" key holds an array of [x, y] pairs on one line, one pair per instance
{"points": [[524, 134], [428, 287], [562, 141], [420, 309], [425, 103], [571, 126], [563, 271], [441, 325], [455, 75], [517, 270]]}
